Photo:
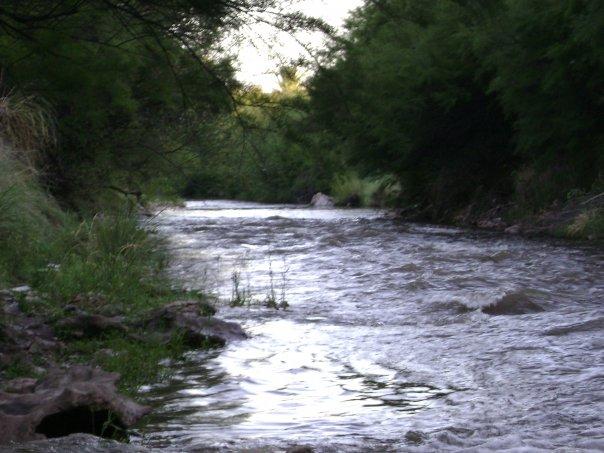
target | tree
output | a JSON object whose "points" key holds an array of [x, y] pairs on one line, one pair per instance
{"points": [[133, 83], [458, 96]]}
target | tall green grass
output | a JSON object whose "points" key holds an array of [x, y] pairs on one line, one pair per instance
{"points": [[109, 262], [106, 263], [26, 126], [27, 213], [28, 217], [349, 189], [589, 224]]}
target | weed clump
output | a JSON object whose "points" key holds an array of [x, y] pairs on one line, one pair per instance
{"points": [[349, 189], [272, 300], [589, 224]]}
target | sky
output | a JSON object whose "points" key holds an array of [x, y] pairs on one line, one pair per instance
{"points": [[265, 49]]}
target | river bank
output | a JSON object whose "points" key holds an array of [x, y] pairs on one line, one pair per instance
{"points": [[87, 314], [78, 373], [580, 218]]}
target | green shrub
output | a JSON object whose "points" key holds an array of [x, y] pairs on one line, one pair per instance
{"points": [[349, 189], [110, 258], [589, 224]]}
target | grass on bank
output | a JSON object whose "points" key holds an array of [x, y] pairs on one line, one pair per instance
{"points": [[588, 224], [349, 189], [107, 264]]}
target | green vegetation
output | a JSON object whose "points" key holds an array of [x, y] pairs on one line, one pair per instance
{"points": [[351, 190], [109, 257], [469, 104], [275, 293], [240, 295], [266, 150], [108, 264], [447, 106], [138, 361], [272, 300], [452, 108], [588, 224]]}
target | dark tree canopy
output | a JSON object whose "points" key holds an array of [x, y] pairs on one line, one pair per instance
{"points": [[461, 97]]}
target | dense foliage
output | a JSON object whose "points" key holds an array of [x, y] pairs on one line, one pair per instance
{"points": [[267, 150], [456, 103], [470, 101], [134, 86]]}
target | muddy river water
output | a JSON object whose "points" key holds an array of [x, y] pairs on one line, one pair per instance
{"points": [[384, 346]]}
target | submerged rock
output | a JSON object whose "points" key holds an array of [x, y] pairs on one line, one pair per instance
{"points": [[415, 437], [587, 326], [81, 399], [190, 319], [512, 304], [320, 200], [300, 449]]}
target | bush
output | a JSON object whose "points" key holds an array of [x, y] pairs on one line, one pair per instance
{"points": [[110, 258], [589, 224], [349, 189]]}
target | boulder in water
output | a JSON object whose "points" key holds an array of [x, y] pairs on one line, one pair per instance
{"points": [[592, 325], [415, 437], [320, 200], [81, 399], [512, 304]]}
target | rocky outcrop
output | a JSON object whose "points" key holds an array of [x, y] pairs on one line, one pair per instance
{"points": [[85, 325], [512, 304], [21, 385], [23, 335], [320, 200], [80, 399], [74, 443], [192, 320]]}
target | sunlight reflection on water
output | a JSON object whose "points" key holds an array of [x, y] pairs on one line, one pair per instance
{"points": [[384, 344]]}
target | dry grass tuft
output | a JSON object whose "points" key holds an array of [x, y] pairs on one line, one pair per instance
{"points": [[26, 125]]}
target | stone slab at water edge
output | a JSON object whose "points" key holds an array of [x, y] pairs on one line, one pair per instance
{"points": [[80, 399]]}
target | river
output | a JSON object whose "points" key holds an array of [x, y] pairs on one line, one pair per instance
{"points": [[384, 346]]}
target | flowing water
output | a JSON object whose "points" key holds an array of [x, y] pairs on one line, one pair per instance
{"points": [[384, 346]]}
